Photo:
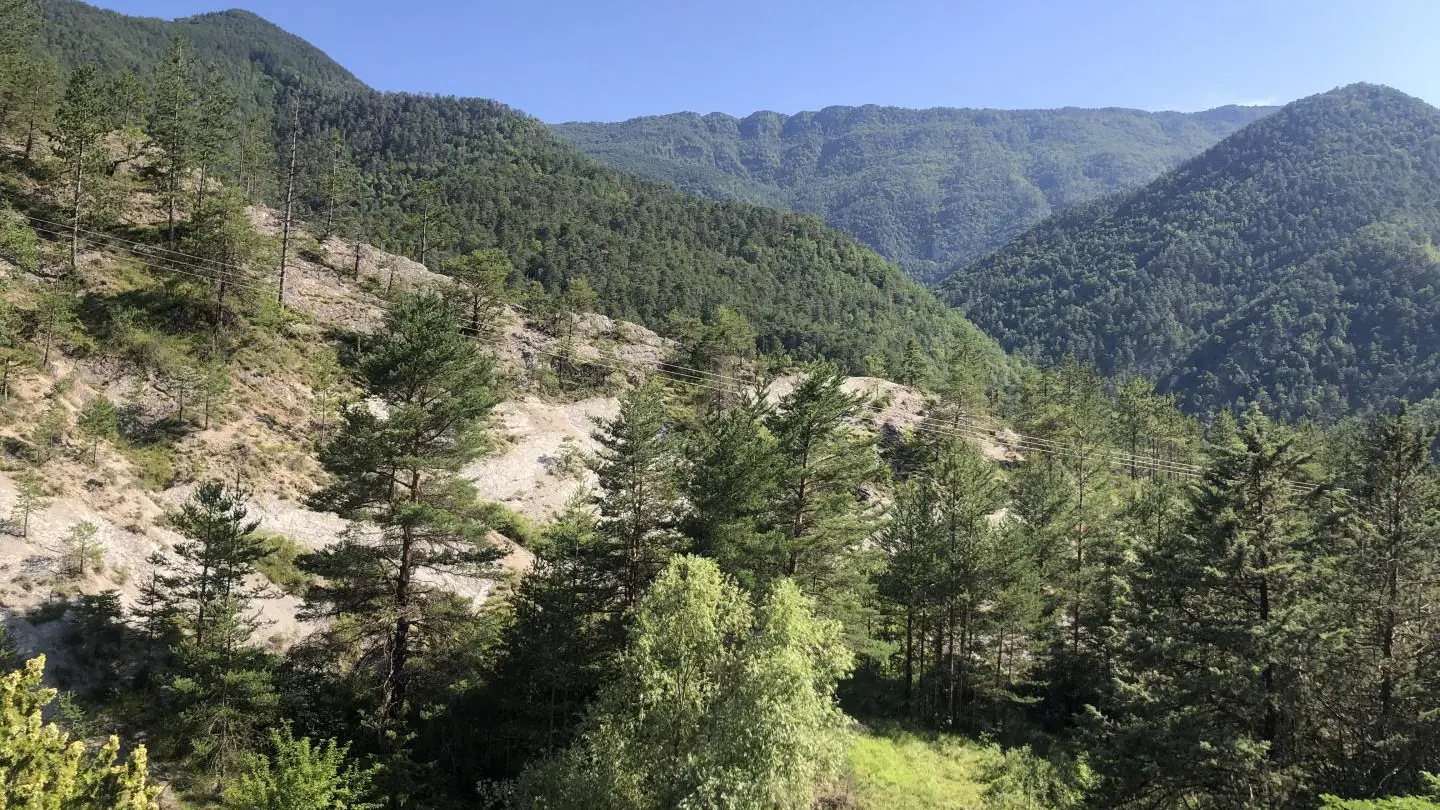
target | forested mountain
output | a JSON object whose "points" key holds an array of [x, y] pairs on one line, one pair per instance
{"points": [[309, 526], [236, 42], [441, 177], [926, 188], [1293, 265]]}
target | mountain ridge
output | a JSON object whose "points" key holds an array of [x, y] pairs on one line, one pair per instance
{"points": [[924, 187], [1301, 237]]}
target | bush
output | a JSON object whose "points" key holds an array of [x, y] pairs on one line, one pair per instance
{"points": [[279, 564]]}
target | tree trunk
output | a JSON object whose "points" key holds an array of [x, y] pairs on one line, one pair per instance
{"points": [[289, 200], [75, 209]]}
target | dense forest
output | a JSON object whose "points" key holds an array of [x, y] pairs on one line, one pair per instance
{"points": [[1292, 265], [928, 189], [439, 178], [1039, 589]]}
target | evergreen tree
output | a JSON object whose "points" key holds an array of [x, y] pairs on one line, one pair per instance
{"points": [[398, 471], [98, 422], [82, 119], [1222, 711], [730, 480], [29, 498], [172, 125], [637, 466], [816, 526], [57, 322], [213, 131], [80, 550], [222, 685], [1389, 584], [482, 275]]}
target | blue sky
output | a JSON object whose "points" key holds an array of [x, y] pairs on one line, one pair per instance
{"points": [[566, 60]]}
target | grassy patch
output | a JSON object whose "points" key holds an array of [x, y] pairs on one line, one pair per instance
{"points": [[154, 464], [899, 770], [279, 565]]}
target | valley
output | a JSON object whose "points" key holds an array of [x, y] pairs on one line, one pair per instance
{"points": [[366, 449]]}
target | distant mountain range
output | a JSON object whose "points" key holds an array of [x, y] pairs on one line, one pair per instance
{"points": [[1293, 264], [928, 189]]}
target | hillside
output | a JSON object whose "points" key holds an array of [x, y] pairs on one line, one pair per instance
{"points": [[238, 42], [1292, 265], [472, 173], [926, 188]]}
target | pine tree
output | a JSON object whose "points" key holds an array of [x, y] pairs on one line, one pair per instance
{"points": [[637, 466], [482, 275], [29, 498], [213, 131], [224, 236], [399, 473], [98, 422], [14, 353], [730, 480], [1220, 700], [81, 551], [57, 320], [172, 125], [1389, 584], [83, 117], [817, 524], [222, 686]]}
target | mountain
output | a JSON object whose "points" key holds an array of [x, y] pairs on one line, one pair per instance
{"points": [[238, 42], [926, 188], [484, 175], [1292, 264]]}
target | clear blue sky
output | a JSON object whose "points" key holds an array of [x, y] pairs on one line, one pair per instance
{"points": [[566, 60]]}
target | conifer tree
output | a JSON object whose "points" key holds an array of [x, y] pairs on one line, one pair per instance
{"points": [[57, 321], [729, 482], [638, 470], [482, 275], [1389, 585], [1223, 706], [172, 124], [98, 422], [398, 470], [83, 117], [815, 528], [29, 498], [222, 685]]}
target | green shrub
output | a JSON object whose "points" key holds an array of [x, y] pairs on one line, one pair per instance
{"points": [[279, 564]]}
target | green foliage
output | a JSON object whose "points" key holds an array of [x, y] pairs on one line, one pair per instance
{"points": [[81, 552], [752, 725], [1286, 266], [30, 498], [279, 564], [398, 470], [45, 770], [300, 775], [98, 422], [926, 188], [897, 770]]}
